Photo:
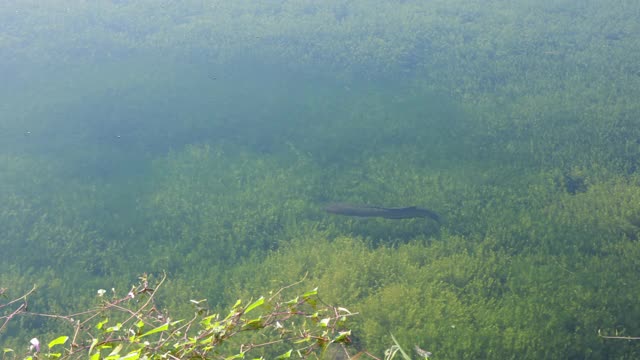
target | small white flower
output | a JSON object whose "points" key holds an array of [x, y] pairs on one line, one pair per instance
{"points": [[101, 292], [35, 344], [131, 295]]}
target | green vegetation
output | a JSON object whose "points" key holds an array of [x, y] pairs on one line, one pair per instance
{"points": [[133, 327], [518, 124]]}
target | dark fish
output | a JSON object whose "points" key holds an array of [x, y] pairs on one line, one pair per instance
{"points": [[384, 212]]}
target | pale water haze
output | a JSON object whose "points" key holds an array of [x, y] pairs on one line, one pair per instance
{"points": [[204, 140]]}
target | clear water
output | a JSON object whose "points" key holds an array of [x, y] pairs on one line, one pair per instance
{"points": [[134, 144]]}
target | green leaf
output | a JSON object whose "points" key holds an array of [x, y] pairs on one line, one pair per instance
{"points": [[237, 356], [134, 355], [254, 324], [95, 356], [310, 293], [304, 339], [314, 317], [255, 304], [160, 328], [101, 323], [308, 297], [325, 322], [93, 344], [311, 302], [58, 341], [114, 328], [6, 350], [342, 337], [285, 355], [237, 304], [292, 302], [404, 354], [114, 354]]}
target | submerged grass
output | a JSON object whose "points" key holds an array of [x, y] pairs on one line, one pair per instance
{"points": [[221, 180], [524, 262]]}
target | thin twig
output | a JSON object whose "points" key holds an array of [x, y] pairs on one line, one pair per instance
{"points": [[621, 337], [289, 286], [20, 309]]}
